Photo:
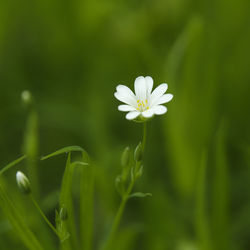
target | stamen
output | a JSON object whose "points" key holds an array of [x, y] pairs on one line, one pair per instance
{"points": [[142, 105]]}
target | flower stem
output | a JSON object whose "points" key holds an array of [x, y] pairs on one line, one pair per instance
{"points": [[118, 216], [44, 216], [124, 200], [144, 135]]}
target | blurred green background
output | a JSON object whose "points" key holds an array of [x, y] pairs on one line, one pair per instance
{"points": [[72, 54]]}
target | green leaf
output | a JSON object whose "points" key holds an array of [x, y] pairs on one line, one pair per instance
{"points": [[79, 163], [139, 195], [202, 224], [62, 151], [18, 222], [66, 199], [12, 164], [86, 197], [221, 206]]}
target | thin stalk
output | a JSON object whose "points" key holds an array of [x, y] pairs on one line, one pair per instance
{"points": [[144, 135], [30, 146], [118, 216], [12, 164], [124, 200], [44, 216], [121, 209]]}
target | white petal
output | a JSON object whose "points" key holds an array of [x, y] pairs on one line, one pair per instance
{"points": [[132, 115], [149, 83], [157, 93], [140, 88], [148, 113], [163, 99], [126, 108], [122, 89], [159, 109], [125, 91], [126, 98]]}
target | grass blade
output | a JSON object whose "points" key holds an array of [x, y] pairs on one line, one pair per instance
{"points": [[62, 151], [66, 200], [17, 222], [12, 164], [220, 192], [202, 226], [86, 203]]}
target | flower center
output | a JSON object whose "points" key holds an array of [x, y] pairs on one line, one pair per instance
{"points": [[142, 105]]}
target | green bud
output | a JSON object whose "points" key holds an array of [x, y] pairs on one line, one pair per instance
{"points": [[132, 174], [139, 172], [23, 182], [63, 213], [138, 152], [125, 157], [119, 184]]}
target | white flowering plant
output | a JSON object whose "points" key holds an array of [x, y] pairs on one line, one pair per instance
{"points": [[145, 103], [141, 107]]}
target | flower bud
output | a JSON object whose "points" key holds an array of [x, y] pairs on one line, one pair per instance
{"points": [[138, 153], [63, 213], [23, 182], [26, 97], [139, 172], [125, 157], [119, 185]]}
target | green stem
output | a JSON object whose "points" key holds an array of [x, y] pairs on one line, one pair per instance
{"points": [[144, 135], [118, 216], [44, 216], [121, 208], [125, 198], [117, 220]]}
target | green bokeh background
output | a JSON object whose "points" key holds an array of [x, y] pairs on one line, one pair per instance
{"points": [[72, 54]]}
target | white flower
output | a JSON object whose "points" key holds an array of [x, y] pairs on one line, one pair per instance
{"points": [[144, 104], [23, 182]]}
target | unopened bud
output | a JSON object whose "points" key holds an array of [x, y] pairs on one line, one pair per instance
{"points": [[26, 97], [125, 157], [63, 213], [138, 153], [139, 172], [119, 185], [23, 183]]}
